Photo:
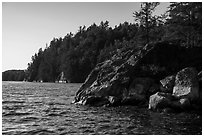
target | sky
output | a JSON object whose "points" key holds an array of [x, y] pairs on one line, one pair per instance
{"points": [[26, 27]]}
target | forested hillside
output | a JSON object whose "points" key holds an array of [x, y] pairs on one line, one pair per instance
{"points": [[77, 54]]}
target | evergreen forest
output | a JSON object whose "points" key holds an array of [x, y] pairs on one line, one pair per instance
{"points": [[75, 55]]}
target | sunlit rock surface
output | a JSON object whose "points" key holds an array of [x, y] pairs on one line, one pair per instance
{"points": [[131, 76], [186, 84]]}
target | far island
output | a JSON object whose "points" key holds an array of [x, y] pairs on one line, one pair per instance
{"points": [[13, 75]]}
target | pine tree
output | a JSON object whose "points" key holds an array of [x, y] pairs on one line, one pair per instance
{"points": [[185, 22], [145, 17]]}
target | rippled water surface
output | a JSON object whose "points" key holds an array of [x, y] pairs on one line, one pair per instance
{"points": [[45, 108]]}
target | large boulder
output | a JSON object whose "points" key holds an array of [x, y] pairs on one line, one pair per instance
{"points": [[165, 101], [160, 101], [186, 84], [114, 77]]}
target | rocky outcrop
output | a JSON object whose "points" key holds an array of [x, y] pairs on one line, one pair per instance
{"points": [[133, 76], [112, 77]]}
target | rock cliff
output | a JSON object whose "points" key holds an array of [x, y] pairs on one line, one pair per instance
{"points": [[131, 76]]}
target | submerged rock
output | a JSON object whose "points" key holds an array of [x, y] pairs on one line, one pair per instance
{"points": [[185, 103], [93, 101], [180, 105], [114, 101]]}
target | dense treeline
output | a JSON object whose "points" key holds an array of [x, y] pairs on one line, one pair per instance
{"points": [[13, 75], [76, 55]]}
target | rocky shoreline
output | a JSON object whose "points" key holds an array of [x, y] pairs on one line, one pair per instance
{"points": [[162, 77]]}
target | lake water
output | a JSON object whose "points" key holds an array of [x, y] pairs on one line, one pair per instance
{"points": [[45, 108]]}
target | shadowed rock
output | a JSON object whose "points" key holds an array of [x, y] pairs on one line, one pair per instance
{"points": [[129, 76], [167, 84]]}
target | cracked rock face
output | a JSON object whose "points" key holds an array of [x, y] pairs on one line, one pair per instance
{"points": [[186, 84], [129, 76]]}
